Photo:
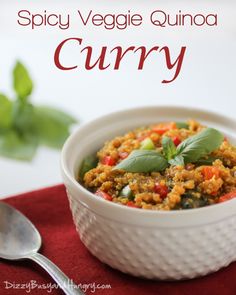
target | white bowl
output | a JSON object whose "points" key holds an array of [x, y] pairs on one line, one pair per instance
{"points": [[152, 244]]}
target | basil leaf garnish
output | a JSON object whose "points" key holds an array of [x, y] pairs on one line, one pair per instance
{"points": [[177, 161], [143, 161], [169, 148], [88, 163], [206, 161], [200, 145]]}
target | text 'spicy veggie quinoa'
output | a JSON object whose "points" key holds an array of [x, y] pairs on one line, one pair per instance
{"points": [[166, 166]]}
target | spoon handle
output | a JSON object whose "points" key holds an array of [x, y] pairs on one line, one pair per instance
{"points": [[62, 280]]}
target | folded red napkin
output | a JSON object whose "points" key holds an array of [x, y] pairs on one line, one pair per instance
{"points": [[48, 209]]}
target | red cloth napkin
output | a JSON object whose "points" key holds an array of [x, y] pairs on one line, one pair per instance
{"points": [[48, 209]]}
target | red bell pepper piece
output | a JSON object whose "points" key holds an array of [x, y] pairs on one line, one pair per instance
{"points": [[227, 197], [176, 140], [108, 160], [164, 127], [131, 204], [162, 190], [209, 172], [103, 195]]}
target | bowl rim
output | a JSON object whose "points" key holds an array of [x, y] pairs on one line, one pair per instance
{"points": [[92, 198]]}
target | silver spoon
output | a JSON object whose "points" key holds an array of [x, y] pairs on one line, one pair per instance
{"points": [[19, 239]]}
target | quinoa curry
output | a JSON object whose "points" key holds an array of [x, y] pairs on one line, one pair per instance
{"points": [[165, 166]]}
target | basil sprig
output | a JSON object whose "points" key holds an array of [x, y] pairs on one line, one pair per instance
{"points": [[190, 150], [25, 126]]}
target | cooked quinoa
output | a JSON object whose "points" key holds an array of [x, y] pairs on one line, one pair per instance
{"points": [[179, 186]]}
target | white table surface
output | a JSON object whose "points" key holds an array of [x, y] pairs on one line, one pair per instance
{"points": [[207, 79]]}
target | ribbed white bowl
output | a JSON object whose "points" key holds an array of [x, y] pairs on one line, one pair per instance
{"points": [[151, 244]]}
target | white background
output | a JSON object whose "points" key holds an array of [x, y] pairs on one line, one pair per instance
{"points": [[207, 78]]}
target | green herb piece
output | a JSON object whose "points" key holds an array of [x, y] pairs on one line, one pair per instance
{"points": [[182, 125], [22, 82], [143, 161], [147, 144], [169, 148], [188, 201], [126, 192], [177, 161], [206, 161], [14, 146], [195, 147], [88, 163], [5, 112]]}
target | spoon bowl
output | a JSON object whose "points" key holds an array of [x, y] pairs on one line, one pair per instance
{"points": [[18, 236], [19, 239]]}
